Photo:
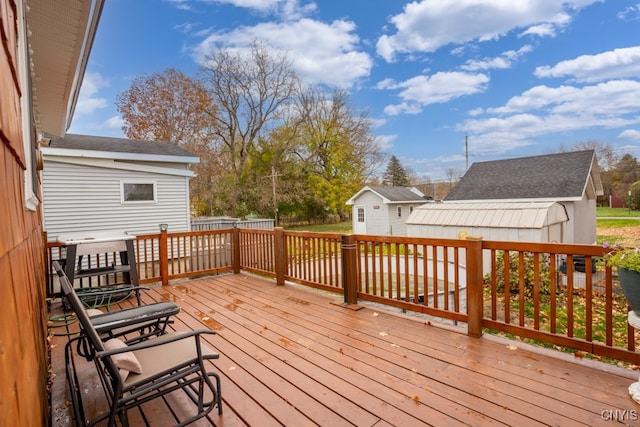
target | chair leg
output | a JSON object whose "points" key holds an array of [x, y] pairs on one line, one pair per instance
{"points": [[217, 397], [73, 383]]}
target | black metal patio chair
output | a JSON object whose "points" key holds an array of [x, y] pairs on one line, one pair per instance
{"points": [[136, 374], [136, 323]]}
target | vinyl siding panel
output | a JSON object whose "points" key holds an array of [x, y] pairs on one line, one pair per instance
{"points": [[397, 225], [376, 218], [83, 199], [381, 219]]}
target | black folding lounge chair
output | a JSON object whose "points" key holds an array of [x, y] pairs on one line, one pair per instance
{"points": [[162, 365]]}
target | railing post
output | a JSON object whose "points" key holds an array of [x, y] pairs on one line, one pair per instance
{"points": [[475, 282], [349, 269], [280, 255], [163, 255], [235, 249]]}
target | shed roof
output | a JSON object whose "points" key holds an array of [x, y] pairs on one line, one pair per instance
{"points": [[490, 215], [119, 153], [118, 145], [391, 194], [552, 177]]}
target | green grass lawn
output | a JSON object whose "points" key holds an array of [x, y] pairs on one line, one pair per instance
{"points": [[616, 212], [579, 321], [341, 227], [617, 222]]}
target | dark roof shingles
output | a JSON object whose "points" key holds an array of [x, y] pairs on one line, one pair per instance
{"points": [[118, 145], [398, 194], [538, 177]]}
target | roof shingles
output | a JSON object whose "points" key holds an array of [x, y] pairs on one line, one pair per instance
{"points": [[398, 194], [118, 145], [553, 176]]}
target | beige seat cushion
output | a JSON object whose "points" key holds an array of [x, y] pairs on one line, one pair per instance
{"points": [[158, 359]]}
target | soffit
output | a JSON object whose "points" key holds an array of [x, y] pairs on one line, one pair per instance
{"points": [[60, 36]]}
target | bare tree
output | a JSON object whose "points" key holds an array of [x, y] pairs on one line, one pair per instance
{"points": [[166, 106], [251, 91], [607, 158], [170, 106], [453, 176]]}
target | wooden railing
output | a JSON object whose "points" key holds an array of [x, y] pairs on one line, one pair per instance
{"points": [[414, 274], [314, 259], [572, 299], [557, 294], [168, 256]]}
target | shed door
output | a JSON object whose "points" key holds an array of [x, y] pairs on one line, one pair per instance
{"points": [[361, 225]]}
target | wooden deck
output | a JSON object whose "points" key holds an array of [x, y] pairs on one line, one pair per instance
{"points": [[296, 357]]}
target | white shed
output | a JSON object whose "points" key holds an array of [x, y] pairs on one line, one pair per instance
{"points": [[382, 211], [504, 221], [100, 184], [571, 179]]}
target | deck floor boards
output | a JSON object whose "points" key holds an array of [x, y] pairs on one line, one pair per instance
{"points": [[296, 357]]}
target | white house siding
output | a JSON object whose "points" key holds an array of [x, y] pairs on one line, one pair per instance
{"points": [[582, 223], [376, 214], [397, 225], [84, 199]]}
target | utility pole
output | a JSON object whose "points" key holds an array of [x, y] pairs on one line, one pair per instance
{"points": [[275, 201], [466, 151]]}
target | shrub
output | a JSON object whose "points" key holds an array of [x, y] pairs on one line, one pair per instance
{"points": [[623, 257], [528, 273]]}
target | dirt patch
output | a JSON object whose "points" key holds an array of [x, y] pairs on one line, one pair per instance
{"points": [[627, 236]]}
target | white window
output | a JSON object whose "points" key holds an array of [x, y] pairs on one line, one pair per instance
{"points": [[360, 214], [399, 211], [138, 191]]}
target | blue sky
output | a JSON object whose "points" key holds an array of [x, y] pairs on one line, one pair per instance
{"points": [[517, 77]]}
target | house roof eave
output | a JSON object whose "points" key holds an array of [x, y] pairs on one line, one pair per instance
{"points": [[114, 164], [559, 200], [61, 36], [73, 153]]}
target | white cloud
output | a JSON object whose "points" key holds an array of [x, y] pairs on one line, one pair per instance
{"points": [[542, 30], [631, 134], [427, 25], [544, 110], [611, 99], [403, 108], [614, 64], [503, 61], [113, 123], [285, 9], [88, 99], [386, 141], [323, 53], [440, 87], [186, 27], [180, 4], [631, 13]]}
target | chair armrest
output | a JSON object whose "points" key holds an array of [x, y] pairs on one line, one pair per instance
{"points": [[163, 339], [133, 316], [104, 290]]}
